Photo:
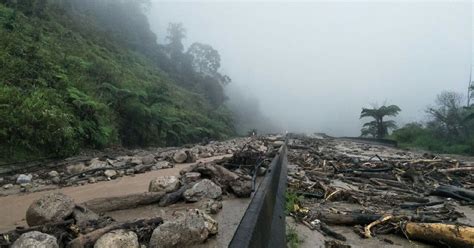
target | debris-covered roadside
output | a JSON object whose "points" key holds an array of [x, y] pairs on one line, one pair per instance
{"points": [[55, 220], [106, 165], [377, 190]]}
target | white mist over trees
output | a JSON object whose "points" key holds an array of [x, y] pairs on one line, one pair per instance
{"points": [[313, 65]]}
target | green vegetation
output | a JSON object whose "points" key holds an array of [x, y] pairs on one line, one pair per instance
{"points": [[449, 130], [378, 128], [292, 199], [89, 74], [292, 238]]}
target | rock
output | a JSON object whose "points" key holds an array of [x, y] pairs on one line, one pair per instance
{"points": [[51, 207], [136, 161], [92, 180], [83, 215], [180, 156], [165, 184], [129, 172], [278, 143], [56, 180], [213, 206], [193, 229], [261, 171], [96, 163], [2, 180], [205, 155], [241, 187], [26, 187], [203, 189], [75, 168], [120, 173], [22, 178], [118, 239], [8, 186], [110, 173], [191, 157], [161, 165], [53, 174], [191, 177], [35, 239], [148, 159]]}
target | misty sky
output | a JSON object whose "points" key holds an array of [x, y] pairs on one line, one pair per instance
{"points": [[314, 65]]}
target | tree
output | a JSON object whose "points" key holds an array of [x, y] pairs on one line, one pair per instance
{"points": [[206, 61], [378, 128], [175, 37], [448, 114]]}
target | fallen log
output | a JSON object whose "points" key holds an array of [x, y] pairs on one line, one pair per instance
{"points": [[349, 219], [145, 226], [454, 192], [106, 204], [459, 169], [325, 229], [173, 197], [417, 205], [444, 234]]}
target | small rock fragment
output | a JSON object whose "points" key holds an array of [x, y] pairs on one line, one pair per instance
{"points": [[75, 168]]}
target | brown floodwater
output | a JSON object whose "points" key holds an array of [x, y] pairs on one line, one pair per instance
{"points": [[13, 207]]}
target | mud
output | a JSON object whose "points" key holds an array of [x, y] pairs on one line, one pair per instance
{"points": [[13, 207]]}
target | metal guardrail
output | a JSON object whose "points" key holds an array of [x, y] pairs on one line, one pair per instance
{"points": [[263, 224]]}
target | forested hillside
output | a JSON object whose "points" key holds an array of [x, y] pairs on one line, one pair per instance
{"points": [[89, 74]]}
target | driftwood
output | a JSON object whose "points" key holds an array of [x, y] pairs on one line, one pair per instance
{"points": [[445, 234], [106, 204], [459, 169], [454, 192], [349, 219], [325, 229], [146, 227], [173, 197]]}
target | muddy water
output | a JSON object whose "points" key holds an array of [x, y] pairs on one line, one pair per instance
{"points": [[13, 208]]}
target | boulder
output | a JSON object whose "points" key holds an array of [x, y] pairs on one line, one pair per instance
{"points": [[161, 165], [194, 228], [203, 189], [118, 239], [35, 239], [110, 173], [75, 168], [22, 179], [96, 163], [241, 187], [136, 161], [205, 155], [148, 159], [8, 186], [53, 174], [165, 184], [180, 156], [56, 180], [51, 207]]}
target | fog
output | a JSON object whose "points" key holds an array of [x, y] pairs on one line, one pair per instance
{"points": [[314, 65]]}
